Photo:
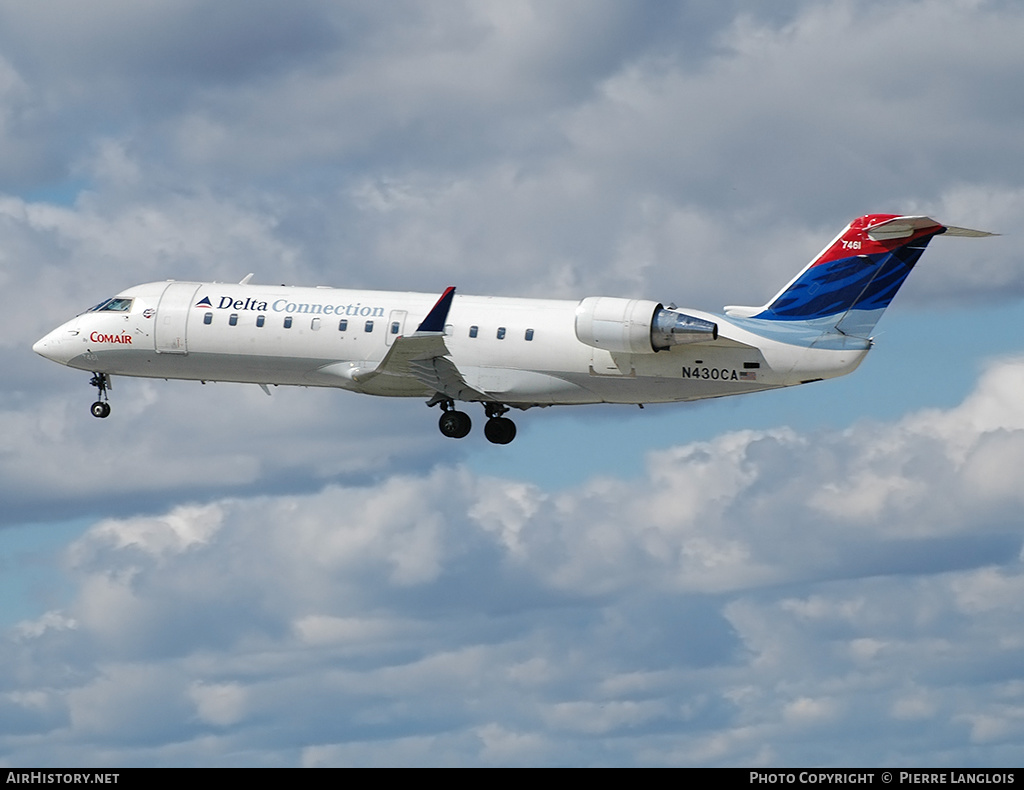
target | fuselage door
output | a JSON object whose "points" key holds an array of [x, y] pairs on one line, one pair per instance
{"points": [[396, 326], [172, 318]]}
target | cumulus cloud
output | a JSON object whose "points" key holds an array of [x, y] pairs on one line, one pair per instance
{"points": [[751, 598], [548, 150]]}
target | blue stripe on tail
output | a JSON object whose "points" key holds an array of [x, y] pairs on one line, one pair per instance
{"points": [[863, 283]]}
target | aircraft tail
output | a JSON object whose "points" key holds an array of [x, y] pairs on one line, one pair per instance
{"points": [[846, 288]]}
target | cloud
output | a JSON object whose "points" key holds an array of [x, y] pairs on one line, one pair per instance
{"points": [[748, 598]]}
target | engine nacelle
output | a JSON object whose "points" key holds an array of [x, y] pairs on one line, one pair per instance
{"points": [[637, 326]]}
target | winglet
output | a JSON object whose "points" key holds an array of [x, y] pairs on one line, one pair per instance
{"points": [[434, 322]]}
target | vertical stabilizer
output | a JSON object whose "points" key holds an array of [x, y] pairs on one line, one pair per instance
{"points": [[846, 288]]}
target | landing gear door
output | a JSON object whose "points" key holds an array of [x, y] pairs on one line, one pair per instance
{"points": [[396, 326], [172, 318]]}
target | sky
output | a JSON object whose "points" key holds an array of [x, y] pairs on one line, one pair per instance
{"points": [[829, 575]]}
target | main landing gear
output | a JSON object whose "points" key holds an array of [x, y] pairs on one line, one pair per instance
{"points": [[498, 429], [101, 408], [456, 424]]}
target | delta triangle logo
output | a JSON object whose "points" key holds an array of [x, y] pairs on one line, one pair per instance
{"points": [[204, 302]]}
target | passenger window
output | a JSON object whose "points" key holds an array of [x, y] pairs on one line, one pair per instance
{"points": [[529, 334], [261, 320], [343, 325], [501, 333], [208, 319], [233, 319], [315, 325], [369, 326], [394, 327], [287, 322], [473, 330]]}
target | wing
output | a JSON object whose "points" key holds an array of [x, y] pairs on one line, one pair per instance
{"points": [[423, 356]]}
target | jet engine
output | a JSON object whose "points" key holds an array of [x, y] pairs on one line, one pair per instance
{"points": [[637, 326]]}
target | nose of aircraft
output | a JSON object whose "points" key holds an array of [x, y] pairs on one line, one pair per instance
{"points": [[57, 344]]}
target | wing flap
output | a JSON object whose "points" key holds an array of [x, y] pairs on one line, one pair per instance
{"points": [[423, 356], [441, 374]]}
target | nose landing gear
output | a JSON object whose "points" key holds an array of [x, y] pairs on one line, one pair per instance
{"points": [[101, 408]]}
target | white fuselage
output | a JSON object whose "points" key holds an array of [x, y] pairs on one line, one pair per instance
{"points": [[520, 352]]}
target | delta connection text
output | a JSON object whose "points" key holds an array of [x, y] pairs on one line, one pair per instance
{"points": [[285, 306]]}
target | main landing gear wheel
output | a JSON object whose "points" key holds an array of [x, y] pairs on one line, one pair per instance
{"points": [[500, 430], [101, 381], [454, 424]]}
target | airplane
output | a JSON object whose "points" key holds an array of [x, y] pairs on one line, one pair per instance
{"points": [[503, 353]]}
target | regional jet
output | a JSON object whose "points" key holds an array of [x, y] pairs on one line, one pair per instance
{"points": [[503, 353]]}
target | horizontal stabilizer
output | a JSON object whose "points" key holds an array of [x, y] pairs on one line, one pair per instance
{"points": [[899, 227], [968, 232], [903, 227]]}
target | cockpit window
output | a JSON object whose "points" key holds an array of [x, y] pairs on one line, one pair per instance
{"points": [[116, 305]]}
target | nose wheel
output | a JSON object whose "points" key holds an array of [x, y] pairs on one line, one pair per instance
{"points": [[101, 408]]}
